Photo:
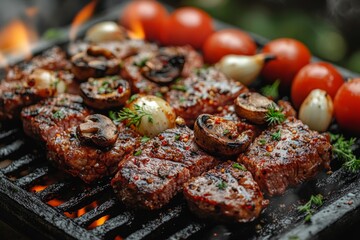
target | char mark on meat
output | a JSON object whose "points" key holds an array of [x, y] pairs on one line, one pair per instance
{"points": [[286, 155], [227, 192], [158, 169]]}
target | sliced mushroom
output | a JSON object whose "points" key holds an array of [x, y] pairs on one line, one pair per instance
{"points": [[221, 137], [163, 68], [253, 107], [105, 93], [95, 62], [97, 130]]}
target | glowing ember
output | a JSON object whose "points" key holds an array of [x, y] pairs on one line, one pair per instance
{"points": [[55, 202], [84, 15], [118, 238], [136, 30], [98, 222], [37, 188], [15, 38]]}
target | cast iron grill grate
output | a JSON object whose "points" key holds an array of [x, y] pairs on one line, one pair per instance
{"points": [[37, 199]]}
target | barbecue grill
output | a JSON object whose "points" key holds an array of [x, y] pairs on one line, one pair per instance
{"points": [[40, 201]]}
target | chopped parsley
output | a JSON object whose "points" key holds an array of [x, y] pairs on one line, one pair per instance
{"points": [[262, 141], [181, 88], [226, 131], [138, 152], [222, 185], [133, 98], [239, 166], [141, 63], [145, 139], [58, 115], [276, 136], [177, 137], [274, 116]]}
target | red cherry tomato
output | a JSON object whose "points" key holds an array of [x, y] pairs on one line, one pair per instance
{"points": [[315, 75], [188, 25], [228, 41], [291, 56], [346, 105], [149, 14]]}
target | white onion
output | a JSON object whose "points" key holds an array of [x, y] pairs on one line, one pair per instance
{"points": [[244, 69], [162, 114], [105, 31], [317, 110]]}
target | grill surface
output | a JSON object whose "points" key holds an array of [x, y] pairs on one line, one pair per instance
{"points": [[51, 212]]}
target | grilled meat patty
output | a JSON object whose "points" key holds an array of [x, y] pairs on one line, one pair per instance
{"points": [[286, 155], [16, 94], [226, 192], [150, 70], [158, 169], [206, 91], [52, 59], [89, 162], [53, 115]]}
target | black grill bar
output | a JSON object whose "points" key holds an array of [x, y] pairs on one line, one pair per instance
{"points": [[52, 190], [84, 197], [188, 231], [151, 226], [11, 148], [32, 177], [21, 162], [113, 224], [96, 213], [8, 133]]}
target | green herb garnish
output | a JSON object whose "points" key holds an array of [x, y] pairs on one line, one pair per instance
{"points": [[343, 150], [58, 115], [138, 152], [222, 185], [133, 98], [271, 90], [276, 136], [239, 166], [226, 131], [133, 117], [141, 63], [315, 201], [262, 142], [179, 88], [274, 115], [177, 137], [145, 139]]}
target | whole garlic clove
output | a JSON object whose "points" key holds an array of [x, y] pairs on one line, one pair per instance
{"points": [[244, 69], [106, 31], [317, 110]]}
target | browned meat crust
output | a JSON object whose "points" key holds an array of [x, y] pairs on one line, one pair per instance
{"points": [[225, 193], [16, 94], [88, 162], [298, 155], [140, 84], [53, 115], [203, 92], [287, 108], [52, 59], [157, 171]]}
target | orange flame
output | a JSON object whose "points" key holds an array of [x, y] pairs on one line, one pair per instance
{"points": [[3, 62], [98, 222], [84, 15], [136, 30], [16, 38], [55, 202]]}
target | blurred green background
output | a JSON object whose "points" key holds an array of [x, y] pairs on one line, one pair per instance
{"points": [[330, 28]]}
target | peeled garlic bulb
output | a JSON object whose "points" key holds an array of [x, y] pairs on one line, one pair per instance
{"points": [[317, 110], [158, 115], [105, 31], [244, 69], [44, 79]]}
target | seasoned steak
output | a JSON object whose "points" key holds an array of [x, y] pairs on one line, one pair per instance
{"points": [[16, 94], [150, 70], [52, 59], [227, 192], [53, 115], [286, 155], [158, 169], [89, 162], [203, 92]]}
